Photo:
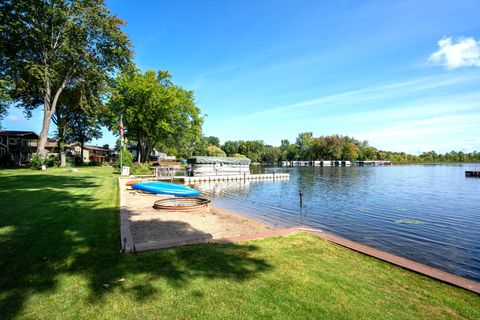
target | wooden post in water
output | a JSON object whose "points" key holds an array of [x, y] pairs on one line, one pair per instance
{"points": [[301, 195]]}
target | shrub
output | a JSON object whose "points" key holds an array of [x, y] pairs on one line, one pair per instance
{"points": [[52, 161], [214, 151], [140, 169], [238, 155], [36, 162], [127, 159], [70, 161], [95, 160]]}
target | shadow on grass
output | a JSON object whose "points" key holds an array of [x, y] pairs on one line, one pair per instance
{"points": [[144, 231], [51, 225]]}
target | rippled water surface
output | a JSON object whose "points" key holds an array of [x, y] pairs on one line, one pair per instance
{"points": [[427, 213]]}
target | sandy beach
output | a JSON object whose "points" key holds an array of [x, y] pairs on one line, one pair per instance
{"points": [[150, 225]]}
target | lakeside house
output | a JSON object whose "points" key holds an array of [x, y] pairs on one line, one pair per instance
{"points": [[317, 163], [22, 145], [90, 153], [155, 155]]}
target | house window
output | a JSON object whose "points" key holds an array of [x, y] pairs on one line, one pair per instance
{"points": [[12, 141], [2, 151]]}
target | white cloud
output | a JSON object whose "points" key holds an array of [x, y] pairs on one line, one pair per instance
{"points": [[13, 119], [371, 94], [465, 52]]}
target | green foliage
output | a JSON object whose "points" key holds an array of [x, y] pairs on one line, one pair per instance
{"points": [[156, 113], [47, 46], [77, 113], [291, 152], [215, 141], [75, 271], [5, 98], [252, 149], [431, 156], [304, 145], [70, 161], [200, 146], [238, 155], [308, 147], [52, 161], [231, 147], [127, 159], [36, 162], [271, 155], [214, 151], [141, 169]]}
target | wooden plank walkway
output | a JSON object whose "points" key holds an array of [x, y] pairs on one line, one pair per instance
{"points": [[475, 174], [271, 176]]}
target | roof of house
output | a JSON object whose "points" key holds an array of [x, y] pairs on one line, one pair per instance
{"points": [[54, 144], [213, 160], [89, 147], [19, 134], [48, 144]]}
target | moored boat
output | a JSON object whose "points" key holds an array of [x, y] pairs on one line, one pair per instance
{"points": [[157, 187]]}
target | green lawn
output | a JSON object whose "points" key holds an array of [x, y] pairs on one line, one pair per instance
{"points": [[59, 249]]}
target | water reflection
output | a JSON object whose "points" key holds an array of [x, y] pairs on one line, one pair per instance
{"points": [[426, 213], [224, 188]]}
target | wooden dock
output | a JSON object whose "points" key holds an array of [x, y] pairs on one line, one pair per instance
{"points": [[475, 174], [270, 176]]}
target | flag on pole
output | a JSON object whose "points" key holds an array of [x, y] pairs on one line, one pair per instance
{"points": [[121, 131]]}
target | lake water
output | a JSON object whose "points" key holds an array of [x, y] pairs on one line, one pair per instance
{"points": [[426, 213]]}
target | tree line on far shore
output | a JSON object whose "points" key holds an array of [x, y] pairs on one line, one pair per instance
{"points": [[72, 59], [310, 148]]}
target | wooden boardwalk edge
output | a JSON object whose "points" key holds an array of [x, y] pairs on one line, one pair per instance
{"points": [[126, 240], [433, 273], [127, 245]]}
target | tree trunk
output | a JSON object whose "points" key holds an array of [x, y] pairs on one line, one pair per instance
{"points": [[48, 111], [82, 143], [61, 152], [139, 148], [139, 151], [61, 142], [148, 151], [63, 157], [42, 139]]}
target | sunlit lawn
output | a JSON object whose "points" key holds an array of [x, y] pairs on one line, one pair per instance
{"points": [[59, 258]]}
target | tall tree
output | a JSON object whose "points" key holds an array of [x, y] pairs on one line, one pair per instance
{"points": [[214, 141], [61, 118], [199, 146], [5, 98], [155, 112], [84, 127], [84, 109], [48, 45], [214, 151], [304, 144], [78, 106], [231, 147]]}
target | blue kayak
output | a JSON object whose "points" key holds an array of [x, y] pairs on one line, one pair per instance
{"points": [[166, 188]]}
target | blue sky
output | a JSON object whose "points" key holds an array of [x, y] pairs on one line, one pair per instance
{"points": [[404, 75]]}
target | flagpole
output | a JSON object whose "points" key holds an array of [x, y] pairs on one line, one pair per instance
{"points": [[121, 145]]}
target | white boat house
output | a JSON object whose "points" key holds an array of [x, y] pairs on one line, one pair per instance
{"points": [[199, 166]]}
